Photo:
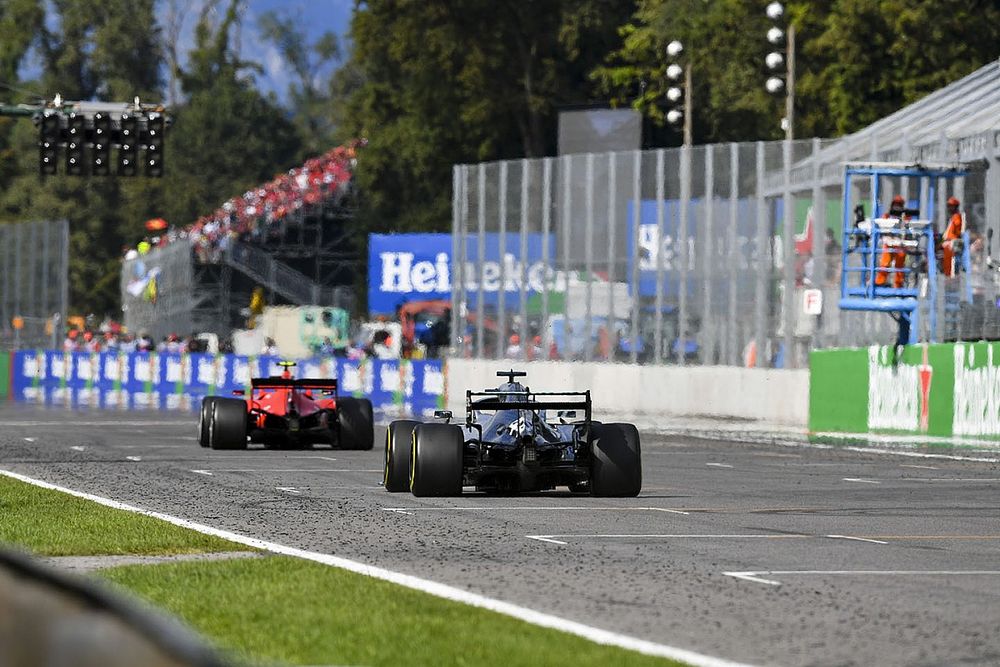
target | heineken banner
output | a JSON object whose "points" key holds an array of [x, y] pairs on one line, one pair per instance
{"points": [[939, 390], [144, 379]]}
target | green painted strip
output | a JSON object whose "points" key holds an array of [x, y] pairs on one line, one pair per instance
{"points": [[5, 369]]}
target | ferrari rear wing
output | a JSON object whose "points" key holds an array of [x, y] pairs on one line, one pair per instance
{"points": [[301, 383]]}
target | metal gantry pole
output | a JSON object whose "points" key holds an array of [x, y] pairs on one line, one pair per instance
{"points": [[660, 236], [788, 250], [567, 210], [636, 218], [18, 243], [588, 259], [612, 251], [549, 274], [525, 265], [6, 271], [708, 266], [502, 291], [684, 256], [456, 214], [819, 236], [764, 262], [462, 279], [480, 257], [736, 255]]}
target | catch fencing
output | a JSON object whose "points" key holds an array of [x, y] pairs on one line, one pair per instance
{"points": [[34, 279], [720, 254]]}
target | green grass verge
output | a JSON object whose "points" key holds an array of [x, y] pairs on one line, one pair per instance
{"points": [[300, 612], [53, 523]]}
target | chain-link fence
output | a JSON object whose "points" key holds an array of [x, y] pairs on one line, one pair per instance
{"points": [[34, 270], [721, 254]]}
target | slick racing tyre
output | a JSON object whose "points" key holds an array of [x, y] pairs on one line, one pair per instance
{"points": [[398, 442], [615, 461], [357, 424], [436, 460], [228, 426], [204, 417]]}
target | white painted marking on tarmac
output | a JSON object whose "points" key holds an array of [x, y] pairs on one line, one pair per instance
{"points": [[77, 448], [955, 479], [719, 465], [862, 481], [133, 458], [395, 510], [30, 439], [910, 465], [288, 489], [509, 508], [202, 472], [678, 536], [297, 470], [752, 576], [856, 539], [757, 576], [437, 589], [325, 458]]}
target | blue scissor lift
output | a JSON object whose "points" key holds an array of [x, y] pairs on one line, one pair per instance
{"points": [[867, 236]]}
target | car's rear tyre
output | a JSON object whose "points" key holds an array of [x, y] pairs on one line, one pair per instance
{"points": [[228, 426], [398, 444], [615, 461], [436, 460], [204, 417], [357, 423]]}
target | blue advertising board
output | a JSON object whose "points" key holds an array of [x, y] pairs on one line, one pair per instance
{"points": [[179, 381], [417, 267]]}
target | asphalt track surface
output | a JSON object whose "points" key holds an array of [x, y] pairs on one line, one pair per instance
{"points": [[758, 554]]}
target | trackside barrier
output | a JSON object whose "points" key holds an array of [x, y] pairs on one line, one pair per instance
{"points": [[947, 390], [170, 381], [727, 392]]}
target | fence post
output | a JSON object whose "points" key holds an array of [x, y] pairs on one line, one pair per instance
{"points": [[456, 211], [523, 263], [788, 251], [685, 256], [564, 240], [708, 265], [549, 275], [612, 250], [588, 263], [480, 256], [502, 291], [636, 219], [736, 255], [660, 236], [765, 261]]}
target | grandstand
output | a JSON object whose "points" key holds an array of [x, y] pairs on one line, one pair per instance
{"points": [[289, 236]]}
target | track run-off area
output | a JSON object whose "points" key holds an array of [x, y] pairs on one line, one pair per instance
{"points": [[759, 554]]}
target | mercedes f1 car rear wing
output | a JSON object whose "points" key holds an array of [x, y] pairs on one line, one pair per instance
{"points": [[497, 399]]}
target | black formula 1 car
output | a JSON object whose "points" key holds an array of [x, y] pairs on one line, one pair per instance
{"points": [[514, 440], [287, 412]]}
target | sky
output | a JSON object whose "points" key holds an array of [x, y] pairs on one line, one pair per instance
{"points": [[318, 16]]}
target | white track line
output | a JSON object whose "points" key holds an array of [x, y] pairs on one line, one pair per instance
{"points": [[910, 465], [411, 510], [596, 635], [202, 472], [77, 448], [133, 458], [296, 470], [862, 481], [856, 539], [30, 439], [719, 465], [678, 536], [756, 576], [288, 489]]}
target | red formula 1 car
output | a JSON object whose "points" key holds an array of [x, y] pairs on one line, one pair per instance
{"points": [[287, 412]]}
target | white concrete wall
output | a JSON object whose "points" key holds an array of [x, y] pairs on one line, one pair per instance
{"points": [[769, 395]]}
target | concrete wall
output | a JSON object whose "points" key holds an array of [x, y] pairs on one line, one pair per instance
{"points": [[774, 396]]}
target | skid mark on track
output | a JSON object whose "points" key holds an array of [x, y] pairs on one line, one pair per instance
{"points": [[758, 576]]}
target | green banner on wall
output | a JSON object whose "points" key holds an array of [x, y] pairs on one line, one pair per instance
{"points": [[4, 374], [939, 390]]}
